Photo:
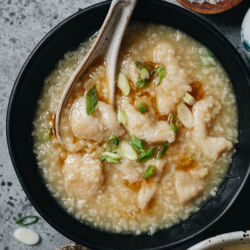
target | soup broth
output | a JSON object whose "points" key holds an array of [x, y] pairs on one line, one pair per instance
{"points": [[129, 196]]}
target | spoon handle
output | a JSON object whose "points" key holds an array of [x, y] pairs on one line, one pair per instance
{"points": [[117, 20], [108, 42]]}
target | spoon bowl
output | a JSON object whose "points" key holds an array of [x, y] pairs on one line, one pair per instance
{"points": [[106, 46]]}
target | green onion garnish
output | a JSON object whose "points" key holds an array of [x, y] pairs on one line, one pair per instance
{"points": [[143, 109], [185, 116], [112, 160], [91, 101], [175, 129], [144, 77], [141, 84], [112, 155], [192, 155], [210, 54], [159, 74], [142, 65], [137, 143], [47, 135], [144, 74], [20, 221], [115, 142], [128, 151], [162, 150], [79, 9], [190, 100], [123, 84], [146, 155], [121, 116], [142, 101], [104, 158], [151, 171]]}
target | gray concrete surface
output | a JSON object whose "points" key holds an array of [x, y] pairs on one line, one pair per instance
{"points": [[23, 23]]}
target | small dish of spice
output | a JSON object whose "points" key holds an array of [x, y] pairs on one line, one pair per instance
{"points": [[209, 6]]}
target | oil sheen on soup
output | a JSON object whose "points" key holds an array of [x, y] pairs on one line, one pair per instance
{"points": [[157, 155]]}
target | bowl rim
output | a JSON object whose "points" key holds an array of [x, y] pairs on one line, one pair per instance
{"points": [[236, 238], [14, 91]]}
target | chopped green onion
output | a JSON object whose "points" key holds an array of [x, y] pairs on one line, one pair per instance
{"points": [[210, 54], [137, 143], [143, 109], [162, 150], [190, 100], [112, 155], [20, 221], [185, 116], [47, 135], [192, 155], [141, 84], [175, 129], [144, 74], [123, 84], [79, 9], [91, 101], [115, 142], [151, 171], [109, 159], [109, 147], [144, 77], [128, 151], [146, 155], [142, 101], [104, 158], [159, 74], [26, 236], [141, 65], [210, 58], [121, 116]]}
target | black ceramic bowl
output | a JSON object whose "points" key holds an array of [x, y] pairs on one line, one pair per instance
{"points": [[29, 83]]}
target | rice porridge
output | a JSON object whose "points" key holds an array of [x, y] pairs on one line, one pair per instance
{"points": [[157, 156]]}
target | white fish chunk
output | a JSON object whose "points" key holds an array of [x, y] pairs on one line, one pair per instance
{"points": [[98, 126], [149, 187], [146, 126], [200, 173], [204, 112], [175, 83], [189, 185], [83, 176], [213, 147], [130, 69], [128, 168]]}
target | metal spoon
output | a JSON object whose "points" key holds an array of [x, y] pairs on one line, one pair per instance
{"points": [[107, 45]]}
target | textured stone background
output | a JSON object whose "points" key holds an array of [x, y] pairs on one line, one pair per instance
{"points": [[23, 23]]}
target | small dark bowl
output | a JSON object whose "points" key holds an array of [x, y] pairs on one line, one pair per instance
{"points": [[29, 83]]}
